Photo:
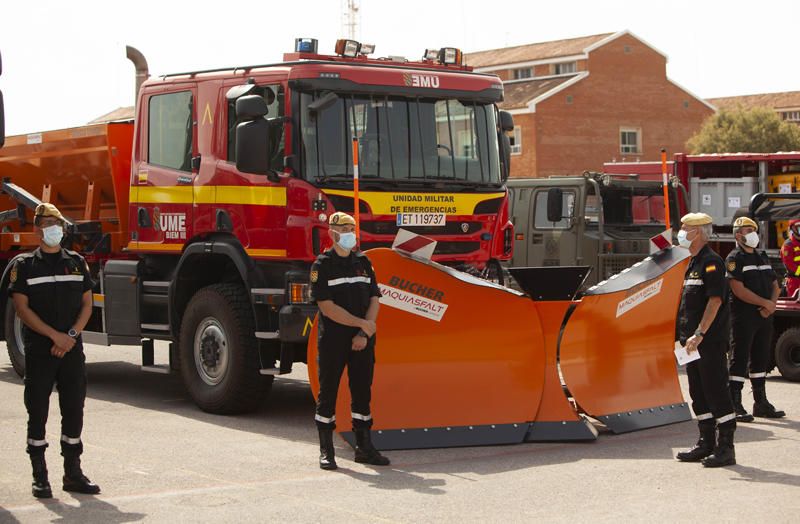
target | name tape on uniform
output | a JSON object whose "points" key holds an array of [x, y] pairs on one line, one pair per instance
{"points": [[411, 303], [639, 297]]}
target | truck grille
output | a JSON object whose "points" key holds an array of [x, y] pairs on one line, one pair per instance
{"points": [[442, 248], [390, 228]]}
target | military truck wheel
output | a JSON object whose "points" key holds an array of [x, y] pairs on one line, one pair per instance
{"points": [[14, 343], [219, 351], [787, 354]]}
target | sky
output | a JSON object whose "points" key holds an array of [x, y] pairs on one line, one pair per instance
{"points": [[64, 62]]}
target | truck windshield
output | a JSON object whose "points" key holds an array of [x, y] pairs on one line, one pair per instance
{"points": [[404, 140]]}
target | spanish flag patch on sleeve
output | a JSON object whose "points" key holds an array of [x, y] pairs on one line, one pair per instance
{"points": [[711, 268]]}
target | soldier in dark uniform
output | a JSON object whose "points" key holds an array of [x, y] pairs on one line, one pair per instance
{"points": [[754, 296], [344, 287], [703, 325], [52, 293]]}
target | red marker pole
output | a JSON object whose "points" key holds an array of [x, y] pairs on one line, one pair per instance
{"points": [[665, 182], [356, 214]]}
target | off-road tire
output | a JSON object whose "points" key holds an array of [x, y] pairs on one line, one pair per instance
{"points": [[787, 354], [14, 344]]}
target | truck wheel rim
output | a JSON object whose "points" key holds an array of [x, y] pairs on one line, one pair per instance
{"points": [[211, 351], [18, 335]]}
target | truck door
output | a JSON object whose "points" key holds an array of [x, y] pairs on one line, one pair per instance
{"points": [[552, 243], [161, 188]]}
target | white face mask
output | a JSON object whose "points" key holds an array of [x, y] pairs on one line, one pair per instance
{"points": [[52, 235], [347, 240], [751, 239], [683, 241]]}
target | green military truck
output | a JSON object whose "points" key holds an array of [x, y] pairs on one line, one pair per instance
{"points": [[598, 220]]}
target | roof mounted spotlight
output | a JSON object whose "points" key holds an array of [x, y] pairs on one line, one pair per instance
{"points": [[305, 45], [450, 56], [367, 49], [431, 54], [347, 48]]}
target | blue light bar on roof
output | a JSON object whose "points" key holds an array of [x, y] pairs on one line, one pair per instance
{"points": [[305, 45]]}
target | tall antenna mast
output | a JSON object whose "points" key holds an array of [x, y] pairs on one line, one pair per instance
{"points": [[350, 18]]}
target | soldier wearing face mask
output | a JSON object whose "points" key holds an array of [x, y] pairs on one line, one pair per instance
{"points": [[755, 291], [344, 287], [52, 293]]}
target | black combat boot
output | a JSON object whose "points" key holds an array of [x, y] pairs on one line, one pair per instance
{"points": [[724, 454], [74, 479], [704, 446], [41, 485], [327, 456], [762, 407], [736, 395], [365, 451]]}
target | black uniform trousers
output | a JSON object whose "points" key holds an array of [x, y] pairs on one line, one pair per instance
{"points": [[708, 385], [751, 339], [334, 355], [42, 372]]}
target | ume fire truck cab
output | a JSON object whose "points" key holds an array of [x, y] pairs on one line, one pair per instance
{"points": [[206, 241]]}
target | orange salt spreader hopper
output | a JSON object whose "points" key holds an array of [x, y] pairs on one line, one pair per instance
{"points": [[464, 362]]}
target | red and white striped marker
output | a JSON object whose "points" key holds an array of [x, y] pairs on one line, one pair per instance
{"points": [[414, 244], [661, 241]]}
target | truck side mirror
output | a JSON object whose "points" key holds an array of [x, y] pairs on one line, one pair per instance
{"points": [[555, 204], [506, 122], [252, 135]]}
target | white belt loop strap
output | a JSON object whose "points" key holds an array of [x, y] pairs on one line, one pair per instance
{"points": [[705, 416], [70, 440], [325, 420], [359, 416], [737, 379], [56, 278], [693, 282], [36, 443], [757, 375], [726, 418], [349, 280]]}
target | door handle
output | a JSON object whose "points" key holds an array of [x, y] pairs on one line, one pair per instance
{"points": [[537, 238]]}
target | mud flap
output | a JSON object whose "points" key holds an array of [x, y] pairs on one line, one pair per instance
{"points": [[630, 380]]}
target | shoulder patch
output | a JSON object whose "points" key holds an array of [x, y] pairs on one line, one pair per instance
{"points": [[13, 275], [731, 265], [314, 276]]}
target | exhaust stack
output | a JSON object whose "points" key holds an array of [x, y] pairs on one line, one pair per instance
{"points": [[139, 61]]}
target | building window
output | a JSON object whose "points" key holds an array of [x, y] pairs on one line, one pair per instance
{"points": [[630, 140], [525, 72], [516, 141], [169, 137], [565, 68], [791, 116]]}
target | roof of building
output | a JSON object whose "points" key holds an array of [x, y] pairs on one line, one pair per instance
{"points": [[120, 113], [517, 95], [531, 52], [789, 99]]}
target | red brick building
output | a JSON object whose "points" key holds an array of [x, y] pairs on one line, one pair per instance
{"points": [[580, 102], [786, 104]]}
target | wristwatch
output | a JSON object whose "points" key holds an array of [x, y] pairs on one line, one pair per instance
{"points": [[699, 333], [362, 333], [72, 333]]}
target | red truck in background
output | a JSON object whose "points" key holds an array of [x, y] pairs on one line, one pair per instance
{"points": [[201, 218]]}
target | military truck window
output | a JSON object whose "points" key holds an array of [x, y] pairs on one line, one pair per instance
{"points": [[274, 96], [540, 209], [169, 131]]}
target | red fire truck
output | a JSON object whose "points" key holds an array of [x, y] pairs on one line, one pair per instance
{"points": [[205, 238]]}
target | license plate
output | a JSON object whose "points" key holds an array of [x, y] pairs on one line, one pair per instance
{"points": [[421, 219]]}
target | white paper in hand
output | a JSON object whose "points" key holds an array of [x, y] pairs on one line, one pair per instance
{"points": [[683, 356]]}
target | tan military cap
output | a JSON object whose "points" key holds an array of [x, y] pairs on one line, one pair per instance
{"points": [[47, 209], [341, 219], [696, 219], [745, 222]]}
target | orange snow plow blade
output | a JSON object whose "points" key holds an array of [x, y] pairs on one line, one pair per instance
{"points": [[463, 362]]}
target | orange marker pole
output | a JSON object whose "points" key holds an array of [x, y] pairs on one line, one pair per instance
{"points": [[665, 181], [356, 213]]}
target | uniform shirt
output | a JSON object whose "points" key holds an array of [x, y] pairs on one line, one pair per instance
{"points": [[755, 272], [705, 278], [349, 282], [54, 284]]}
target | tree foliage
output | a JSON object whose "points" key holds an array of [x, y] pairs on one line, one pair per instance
{"points": [[756, 130]]}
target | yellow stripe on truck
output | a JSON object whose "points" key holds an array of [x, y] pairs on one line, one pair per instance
{"points": [[391, 203], [237, 195]]}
